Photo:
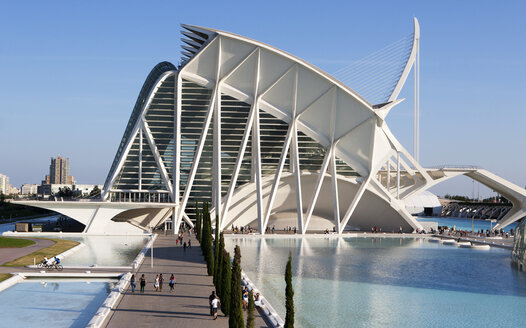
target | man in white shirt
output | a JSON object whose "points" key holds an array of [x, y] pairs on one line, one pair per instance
{"points": [[215, 304]]}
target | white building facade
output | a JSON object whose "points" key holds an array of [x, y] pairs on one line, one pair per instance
{"points": [[267, 139]]}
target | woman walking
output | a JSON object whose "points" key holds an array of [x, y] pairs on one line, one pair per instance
{"points": [[172, 282], [132, 283], [156, 283], [143, 283], [161, 280]]}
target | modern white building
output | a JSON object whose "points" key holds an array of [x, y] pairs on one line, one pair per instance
{"points": [[268, 139], [29, 189], [4, 184]]}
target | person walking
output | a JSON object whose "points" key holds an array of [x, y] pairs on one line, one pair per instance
{"points": [[143, 283], [156, 283], [214, 304], [210, 299], [161, 280], [172, 282], [184, 246], [132, 283]]}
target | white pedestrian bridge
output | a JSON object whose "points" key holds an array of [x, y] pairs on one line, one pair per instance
{"points": [[268, 139]]}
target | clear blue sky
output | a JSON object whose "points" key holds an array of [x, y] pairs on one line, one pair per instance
{"points": [[70, 73]]}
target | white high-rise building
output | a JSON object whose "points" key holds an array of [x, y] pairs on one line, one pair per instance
{"points": [[4, 184]]}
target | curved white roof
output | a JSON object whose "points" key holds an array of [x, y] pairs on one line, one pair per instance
{"points": [[292, 89]]}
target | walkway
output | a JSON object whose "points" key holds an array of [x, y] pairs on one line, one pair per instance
{"points": [[10, 254], [187, 306]]}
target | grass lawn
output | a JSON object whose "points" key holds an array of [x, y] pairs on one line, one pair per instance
{"points": [[14, 242], [61, 245], [4, 276]]}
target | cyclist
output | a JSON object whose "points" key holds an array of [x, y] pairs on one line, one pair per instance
{"points": [[57, 262]]}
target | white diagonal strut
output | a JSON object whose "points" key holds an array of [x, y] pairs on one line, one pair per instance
{"points": [[197, 158], [157, 156], [277, 177], [317, 189], [354, 203]]}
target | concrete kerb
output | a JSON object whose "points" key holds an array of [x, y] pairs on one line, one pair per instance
{"points": [[15, 279], [266, 308], [105, 309]]}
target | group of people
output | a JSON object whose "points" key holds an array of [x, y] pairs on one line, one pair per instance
{"points": [[243, 229], [445, 230], [157, 284]]}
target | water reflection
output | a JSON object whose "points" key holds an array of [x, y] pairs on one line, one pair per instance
{"points": [[381, 278]]}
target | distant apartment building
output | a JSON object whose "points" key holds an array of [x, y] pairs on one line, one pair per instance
{"points": [[29, 189], [59, 171], [4, 184], [13, 190]]}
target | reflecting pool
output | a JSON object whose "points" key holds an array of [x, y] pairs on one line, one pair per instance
{"points": [[387, 282], [105, 250], [53, 302]]}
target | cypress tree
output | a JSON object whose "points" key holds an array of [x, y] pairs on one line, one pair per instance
{"points": [[251, 319], [236, 311], [289, 295], [226, 277], [207, 242], [219, 265], [217, 253], [210, 247], [197, 223]]}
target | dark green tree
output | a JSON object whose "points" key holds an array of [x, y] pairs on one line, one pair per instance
{"points": [[226, 278], [95, 192], [289, 295], [236, 311], [65, 192], [207, 241], [251, 319], [217, 253], [197, 223], [219, 265]]}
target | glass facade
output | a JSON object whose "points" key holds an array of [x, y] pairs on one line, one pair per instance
{"points": [[140, 179]]}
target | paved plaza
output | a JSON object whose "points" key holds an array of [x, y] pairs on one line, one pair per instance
{"points": [[186, 306]]}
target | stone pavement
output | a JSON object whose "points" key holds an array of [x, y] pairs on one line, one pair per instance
{"points": [[10, 254], [186, 306]]}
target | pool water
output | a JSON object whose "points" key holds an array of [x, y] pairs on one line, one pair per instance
{"points": [[105, 250], [387, 282], [53, 302]]}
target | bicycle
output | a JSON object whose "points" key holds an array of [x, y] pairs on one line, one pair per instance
{"points": [[53, 266]]}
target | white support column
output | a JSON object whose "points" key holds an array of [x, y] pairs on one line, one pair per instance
{"points": [[335, 194], [257, 149], [389, 175], [140, 158], [397, 175], [277, 177], [295, 155], [177, 151], [317, 189], [216, 174], [354, 203]]}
